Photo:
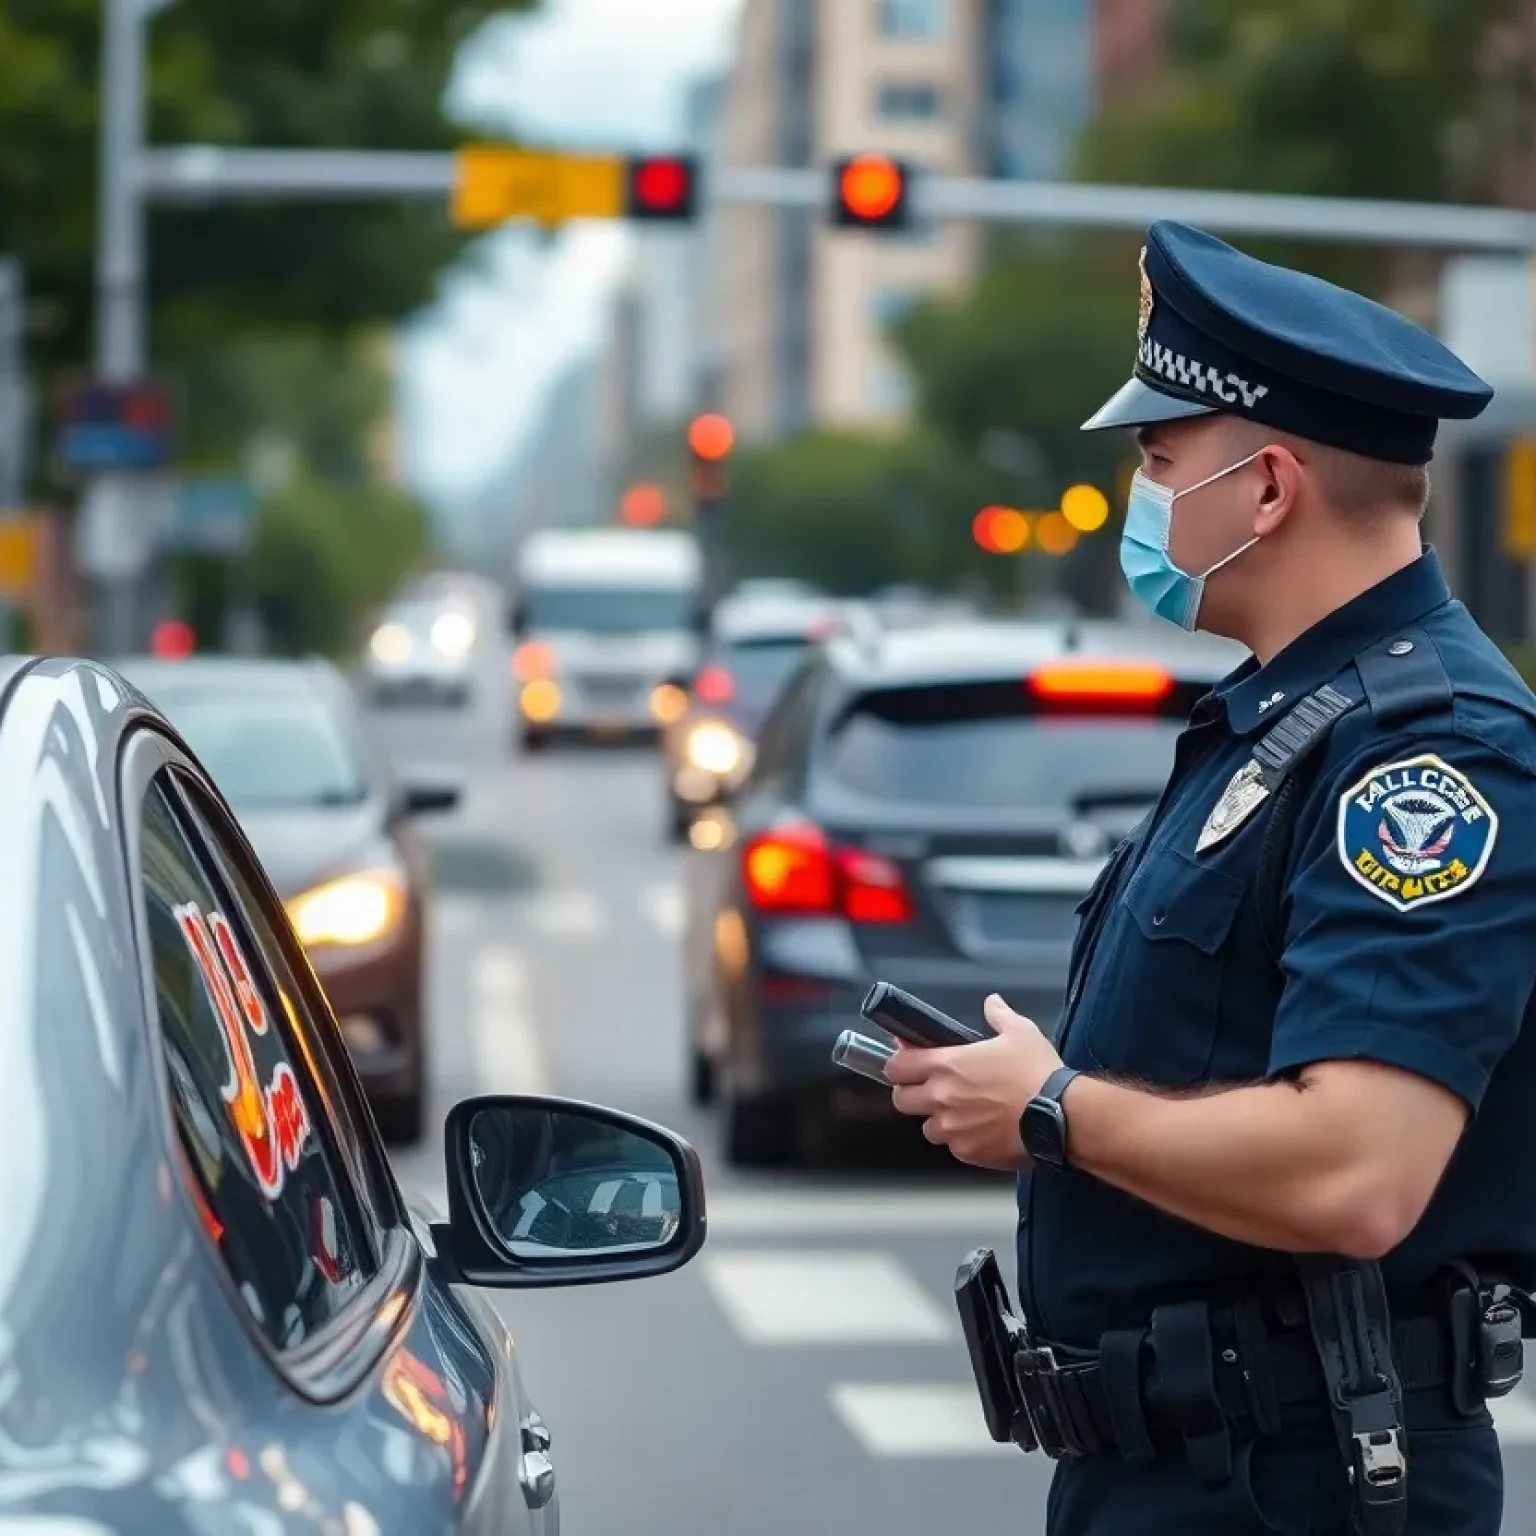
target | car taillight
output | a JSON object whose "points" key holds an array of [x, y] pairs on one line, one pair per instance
{"points": [[532, 660], [1099, 684], [714, 685], [795, 871]]}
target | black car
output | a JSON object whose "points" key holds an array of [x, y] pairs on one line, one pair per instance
{"points": [[219, 1313], [290, 750], [755, 643], [926, 809]]}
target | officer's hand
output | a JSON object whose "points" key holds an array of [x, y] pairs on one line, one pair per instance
{"points": [[971, 1096]]}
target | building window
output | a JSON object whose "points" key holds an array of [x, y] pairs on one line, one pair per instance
{"points": [[889, 388], [907, 101], [912, 18], [888, 305]]}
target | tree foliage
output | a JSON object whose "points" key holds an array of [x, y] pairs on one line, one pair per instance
{"points": [[267, 73]]}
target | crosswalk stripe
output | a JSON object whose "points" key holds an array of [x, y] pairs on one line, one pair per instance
{"points": [[1515, 1417], [508, 1051], [914, 1419], [799, 1297]]}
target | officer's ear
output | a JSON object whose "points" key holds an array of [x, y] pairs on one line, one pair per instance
{"points": [[1280, 481]]}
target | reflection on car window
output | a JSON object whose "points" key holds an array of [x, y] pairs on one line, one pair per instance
{"points": [[270, 751], [608, 610], [242, 1103], [986, 748]]}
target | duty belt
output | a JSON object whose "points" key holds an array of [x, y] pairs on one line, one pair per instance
{"points": [[1197, 1375]]}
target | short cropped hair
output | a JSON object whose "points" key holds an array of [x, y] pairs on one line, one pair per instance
{"points": [[1357, 487]]}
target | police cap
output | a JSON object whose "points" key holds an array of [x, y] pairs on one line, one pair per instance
{"points": [[1222, 332]]}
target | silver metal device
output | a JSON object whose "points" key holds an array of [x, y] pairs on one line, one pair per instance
{"points": [[858, 1053]]}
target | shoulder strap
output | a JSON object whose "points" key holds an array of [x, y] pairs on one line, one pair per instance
{"points": [[1399, 679]]}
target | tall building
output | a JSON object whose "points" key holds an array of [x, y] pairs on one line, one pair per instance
{"points": [[978, 87], [801, 310]]}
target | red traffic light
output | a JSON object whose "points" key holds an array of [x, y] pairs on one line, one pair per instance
{"points": [[661, 187], [870, 192], [711, 438]]}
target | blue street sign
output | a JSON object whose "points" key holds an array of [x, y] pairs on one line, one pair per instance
{"points": [[115, 427], [213, 517]]}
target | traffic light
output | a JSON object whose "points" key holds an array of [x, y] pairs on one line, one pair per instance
{"points": [[661, 188], [710, 440], [870, 192]]}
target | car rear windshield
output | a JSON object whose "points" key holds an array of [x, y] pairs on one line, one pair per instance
{"points": [[269, 751], [990, 745], [609, 610], [760, 667]]}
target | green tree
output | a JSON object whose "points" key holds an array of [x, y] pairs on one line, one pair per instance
{"points": [[345, 73]]}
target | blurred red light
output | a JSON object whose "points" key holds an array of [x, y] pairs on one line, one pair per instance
{"points": [[711, 437], [662, 184], [714, 685], [871, 187], [174, 640]]}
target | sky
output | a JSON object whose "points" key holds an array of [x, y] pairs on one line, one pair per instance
{"points": [[605, 74]]}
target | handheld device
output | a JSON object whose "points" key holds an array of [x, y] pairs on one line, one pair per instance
{"points": [[862, 1055], [993, 1336], [911, 1019]]}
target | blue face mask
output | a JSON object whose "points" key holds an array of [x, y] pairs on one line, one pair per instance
{"points": [[1170, 593]]}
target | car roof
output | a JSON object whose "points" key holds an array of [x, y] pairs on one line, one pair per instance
{"points": [[980, 649], [774, 616], [242, 674]]}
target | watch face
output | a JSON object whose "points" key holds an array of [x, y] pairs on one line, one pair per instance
{"points": [[1045, 1132]]}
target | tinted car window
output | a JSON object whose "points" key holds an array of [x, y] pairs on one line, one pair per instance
{"points": [[244, 1107], [270, 750], [987, 745], [787, 729], [760, 668], [608, 610]]}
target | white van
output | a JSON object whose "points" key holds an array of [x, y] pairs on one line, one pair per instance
{"points": [[603, 619]]}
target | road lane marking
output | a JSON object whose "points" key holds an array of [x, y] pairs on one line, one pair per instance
{"points": [[982, 1213], [823, 1298], [508, 1052], [892, 1419], [664, 909], [568, 914]]}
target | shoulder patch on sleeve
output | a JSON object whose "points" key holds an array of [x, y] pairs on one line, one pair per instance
{"points": [[1415, 831]]}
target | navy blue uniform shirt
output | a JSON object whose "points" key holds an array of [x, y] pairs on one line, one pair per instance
{"points": [[1408, 916]]}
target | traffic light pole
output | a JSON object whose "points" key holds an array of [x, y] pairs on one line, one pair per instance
{"points": [[206, 174]]}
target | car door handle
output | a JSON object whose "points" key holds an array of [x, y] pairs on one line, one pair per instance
{"points": [[536, 1472], [536, 1436]]}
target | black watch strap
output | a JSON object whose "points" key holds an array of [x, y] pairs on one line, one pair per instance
{"points": [[1056, 1084]]}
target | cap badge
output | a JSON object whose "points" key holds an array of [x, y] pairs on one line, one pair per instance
{"points": [[1144, 314]]}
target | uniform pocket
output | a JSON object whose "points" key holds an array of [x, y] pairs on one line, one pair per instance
{"points": [[1155, 1009]]}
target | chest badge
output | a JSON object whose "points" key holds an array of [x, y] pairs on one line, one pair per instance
{"points": [[1244, 794]]}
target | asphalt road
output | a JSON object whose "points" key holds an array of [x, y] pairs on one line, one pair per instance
{"points": [[806, 1371]]}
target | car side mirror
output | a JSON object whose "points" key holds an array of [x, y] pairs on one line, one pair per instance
{"points": [[422, 794], [548, 1192]]}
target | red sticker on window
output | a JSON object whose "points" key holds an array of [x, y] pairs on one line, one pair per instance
{"points": [[272, 1124]]}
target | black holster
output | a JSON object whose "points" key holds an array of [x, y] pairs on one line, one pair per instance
{"points": [[1351, 1326], [994, 1336], [1487, 1320]]}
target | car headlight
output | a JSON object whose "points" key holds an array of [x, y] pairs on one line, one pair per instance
{"points": [[715, 748], [391, 643], [453, 634], [355, 909]]}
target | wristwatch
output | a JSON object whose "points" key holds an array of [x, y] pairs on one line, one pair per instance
{"points": [[1043, 1125]]}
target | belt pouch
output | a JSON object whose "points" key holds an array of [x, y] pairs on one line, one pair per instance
{"points": [[1186, 1385]]}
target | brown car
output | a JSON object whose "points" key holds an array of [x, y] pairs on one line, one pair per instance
{"points": [[287, 746]]}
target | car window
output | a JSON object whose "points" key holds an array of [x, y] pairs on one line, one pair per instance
{"points": [[270, 751], [986, 745], [609, 610], [785, 733], [759, 668], [306, 1007], [244, 1105]]}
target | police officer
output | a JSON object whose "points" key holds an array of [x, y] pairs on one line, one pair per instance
{"points": [[1278, 1202]]}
